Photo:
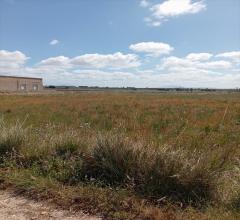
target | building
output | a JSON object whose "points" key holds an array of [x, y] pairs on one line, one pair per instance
{"points": [[15, 84]]}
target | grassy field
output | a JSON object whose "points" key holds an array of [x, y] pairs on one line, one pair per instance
{"points": [[125, 155]]}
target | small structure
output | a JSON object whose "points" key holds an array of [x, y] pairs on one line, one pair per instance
{"points": [[15, 84]]}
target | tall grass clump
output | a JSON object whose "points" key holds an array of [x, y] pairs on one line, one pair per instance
{"points": [[156, 171], [230, 188], [66, 159], [58, 156], [235, 201], [67, 145], [11, 138], [181, 176], [112, 160]]}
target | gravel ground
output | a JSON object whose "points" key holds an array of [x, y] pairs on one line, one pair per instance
{"points": [[19, 208]]}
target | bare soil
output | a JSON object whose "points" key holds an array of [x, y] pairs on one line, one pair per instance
{"points": [[14, 207]]}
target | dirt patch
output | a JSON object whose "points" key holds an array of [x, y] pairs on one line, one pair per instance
{"points": [[18, 208]]}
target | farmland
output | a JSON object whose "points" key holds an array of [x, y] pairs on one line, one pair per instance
{"points": [[125, 155]]}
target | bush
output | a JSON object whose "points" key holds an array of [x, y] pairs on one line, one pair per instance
{"points": [[155, 171], [112, 160], [177, 174]]}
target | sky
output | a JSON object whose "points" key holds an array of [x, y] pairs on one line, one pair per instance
{"points": [[123, 43]]}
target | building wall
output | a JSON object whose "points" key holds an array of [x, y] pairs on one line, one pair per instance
{"points": [[20, 84]]}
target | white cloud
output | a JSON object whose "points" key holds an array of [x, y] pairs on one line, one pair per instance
{"points": [[195, 78], [113, 61], [199, 56], [15, 58], [105, 75], [54, 42], [191, 77], [144, 3], [152, 48], [221, 64], [174, 63], [234, 55], [173, 71], [53, 65], [116, 60], [11, 62], [56, 61], [198, 73], [171, 8]]}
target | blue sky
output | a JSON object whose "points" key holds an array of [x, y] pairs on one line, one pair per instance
{"points": [[143, 43]]}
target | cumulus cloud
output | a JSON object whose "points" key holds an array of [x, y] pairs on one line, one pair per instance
{"points": [[152, 48], [55, 61], [11, 62], [60, 61], [198, 72], [192, 70], [195, 78], [191, 77], [234, 55], [52, 65], [199, 56], [54, 42], [171, 8], [220, 64], [175, 63], [116, 60], [16, 58]]}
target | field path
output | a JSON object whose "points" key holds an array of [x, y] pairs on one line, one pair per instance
{"points": [[19, 208]]}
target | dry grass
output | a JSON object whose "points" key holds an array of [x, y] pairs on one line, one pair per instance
{"points": [[166, 149], [11, 138]]}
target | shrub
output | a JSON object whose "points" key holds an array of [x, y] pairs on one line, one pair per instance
{"points": [[157, 172], [176, 174], [112, 160]]}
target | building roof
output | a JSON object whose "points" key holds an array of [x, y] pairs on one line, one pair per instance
{"points": [[20, 77]]}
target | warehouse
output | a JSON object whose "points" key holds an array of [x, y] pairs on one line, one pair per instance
{"points": [[22, 84]]}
